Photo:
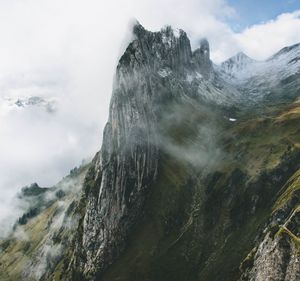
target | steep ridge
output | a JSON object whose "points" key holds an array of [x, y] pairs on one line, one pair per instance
{"points": [[190, 176], [261, 81], [201, 221], [275, 257], [151, 74], [276, 251]]}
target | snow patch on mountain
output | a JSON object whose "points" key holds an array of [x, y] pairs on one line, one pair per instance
{"points": [[237, 65], [241, 69], [49, 104]]}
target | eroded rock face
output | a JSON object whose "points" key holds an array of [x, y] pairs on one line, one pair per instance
{"points": [[276, 256], [270, 260], [127, 165], [156, 69]]}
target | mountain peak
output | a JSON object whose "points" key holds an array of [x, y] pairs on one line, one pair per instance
{"points": [[137, 28], [204, 44], [168, 48], [236, 64], [204, 48], [285, 50], [238, 58], [166, 32], [242, 55], [202, 58]]}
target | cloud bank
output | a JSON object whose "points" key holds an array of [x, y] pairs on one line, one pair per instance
{"points": [[66, 51]]}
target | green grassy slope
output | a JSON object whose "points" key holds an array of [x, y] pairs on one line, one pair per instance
{"points": [[218, 183], [42, 242], [200, 222]]}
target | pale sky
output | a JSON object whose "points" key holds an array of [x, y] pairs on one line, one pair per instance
{"points": [[66, 51]]}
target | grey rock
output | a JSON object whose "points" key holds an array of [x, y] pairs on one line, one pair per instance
{"points": [[152, 71]]}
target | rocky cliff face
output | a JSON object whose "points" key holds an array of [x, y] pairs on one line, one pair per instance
{"points": [[276, 254], [193, 181], [159, 69], [152, 72]]}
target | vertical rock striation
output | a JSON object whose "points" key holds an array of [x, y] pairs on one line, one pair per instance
{"points": [[127, 164]]}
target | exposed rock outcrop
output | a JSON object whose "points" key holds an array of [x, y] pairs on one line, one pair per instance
{"points": [[276, 255]]}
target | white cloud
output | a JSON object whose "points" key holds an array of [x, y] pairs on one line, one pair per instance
{"points": [[68, 50], [262, 40]]}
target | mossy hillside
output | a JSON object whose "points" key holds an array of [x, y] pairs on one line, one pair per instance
{"points": [[261, 142], [52, 226], [290, 189], [195, 217], [22, 250], [198, 213]]}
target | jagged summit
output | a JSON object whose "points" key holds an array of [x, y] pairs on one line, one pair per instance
{"points": [[136, 27], [167, 51], [165, 48], [202, 58], [204, 48], [168, 54], [167, 31], [139, 30]]}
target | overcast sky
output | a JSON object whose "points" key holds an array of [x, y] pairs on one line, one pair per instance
{"points": [[65, 51]]}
